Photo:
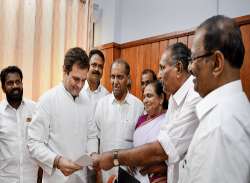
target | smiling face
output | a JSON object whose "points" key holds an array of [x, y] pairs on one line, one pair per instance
{"points": [[96, 68], [202, 67], [119, 80], [152, 102], [13, 87]]}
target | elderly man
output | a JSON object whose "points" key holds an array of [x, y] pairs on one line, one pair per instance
{"points": [[175, 136], [117, 113], [219, 151], [16, 165], [61, 130]]}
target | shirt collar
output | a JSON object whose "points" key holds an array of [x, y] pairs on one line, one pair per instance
{"points": [[86, 87], [6, 104], [69, 94], [181, 93], [127, 99], [216, 96]]}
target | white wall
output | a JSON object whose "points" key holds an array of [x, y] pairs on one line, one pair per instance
{"points": [[128, 20]]}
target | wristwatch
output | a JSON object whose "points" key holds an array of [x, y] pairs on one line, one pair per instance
{"points": [[115, 158]]}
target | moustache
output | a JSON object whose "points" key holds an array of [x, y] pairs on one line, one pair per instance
{"points": [[96, 72], [14, 90]]}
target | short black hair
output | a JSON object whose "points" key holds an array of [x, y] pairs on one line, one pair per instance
{"points": [[10, 69], [223, 34], [123, 62], [96, 52], [77, 56], [180, 52], [157, 85], [146, 71]]}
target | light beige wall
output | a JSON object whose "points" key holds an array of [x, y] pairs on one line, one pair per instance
{"points": [[35, 34]]}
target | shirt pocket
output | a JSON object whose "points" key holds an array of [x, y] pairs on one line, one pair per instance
{"points": [[127, 129]]}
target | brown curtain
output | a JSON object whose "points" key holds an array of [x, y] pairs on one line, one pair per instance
{"points": [[35, 34]]}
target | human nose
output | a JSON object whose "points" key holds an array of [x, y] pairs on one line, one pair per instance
{"points": [[190, 67]]}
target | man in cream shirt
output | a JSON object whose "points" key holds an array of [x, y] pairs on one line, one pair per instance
{"points": [[16, 165], [61, 130], [117, 113]]}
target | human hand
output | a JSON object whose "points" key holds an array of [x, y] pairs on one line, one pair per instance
{"points": [[67, 167], [103, 161], [160, 180], [157, 169]]}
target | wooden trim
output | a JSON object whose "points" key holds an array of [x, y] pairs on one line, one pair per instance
{"points": [[242, 20], [109, 45], [162, 37]]}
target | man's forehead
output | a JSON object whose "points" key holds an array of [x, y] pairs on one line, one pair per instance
{"points": [[198, 41], [166, 58], [96, 57], [12, 75]]}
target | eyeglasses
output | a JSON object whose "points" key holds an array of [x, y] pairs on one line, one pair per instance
{"points": [[201, 56]]}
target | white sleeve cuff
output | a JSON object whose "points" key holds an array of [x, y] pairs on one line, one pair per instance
{"points": [[168, 147]]}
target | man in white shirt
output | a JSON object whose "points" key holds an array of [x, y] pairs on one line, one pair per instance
{"points": [[16, 165], [61, 130], [176, 135], [93, 87], [220, 149], [117, 113], [94, 90]]}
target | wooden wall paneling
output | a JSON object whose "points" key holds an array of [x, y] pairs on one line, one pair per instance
{"points": [[183, 39], [190, 41], [172, 41], [155, 57], [108, 53], [245, 73], [111, 52], [163, 46]]}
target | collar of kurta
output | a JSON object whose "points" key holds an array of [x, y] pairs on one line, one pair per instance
{"points": [[69, 94], [5, 104], [216, 96], [127, 99], [182, 92], [86, 87]]}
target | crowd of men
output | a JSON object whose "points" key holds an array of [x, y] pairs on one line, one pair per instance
{"points": [[206, 137]]}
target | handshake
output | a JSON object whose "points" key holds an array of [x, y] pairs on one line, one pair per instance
{"points": [[97, 161], [108, 160]]}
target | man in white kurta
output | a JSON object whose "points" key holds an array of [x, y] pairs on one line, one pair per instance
{"points": [[176, 135], [16, 165], [117, 113], [94, 90], [61, 130], [219, 151]]}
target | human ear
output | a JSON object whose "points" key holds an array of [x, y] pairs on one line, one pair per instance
{"points": [[218, 63]]}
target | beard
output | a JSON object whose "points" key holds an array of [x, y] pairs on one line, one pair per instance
{"points": [[15, 95]]}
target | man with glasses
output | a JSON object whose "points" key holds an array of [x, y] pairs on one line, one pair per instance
{"points": [[219, 151], [117, 113], [175, 136]]}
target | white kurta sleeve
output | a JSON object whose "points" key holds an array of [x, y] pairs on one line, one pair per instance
{"points": [[177, 134], [38, 137]]}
